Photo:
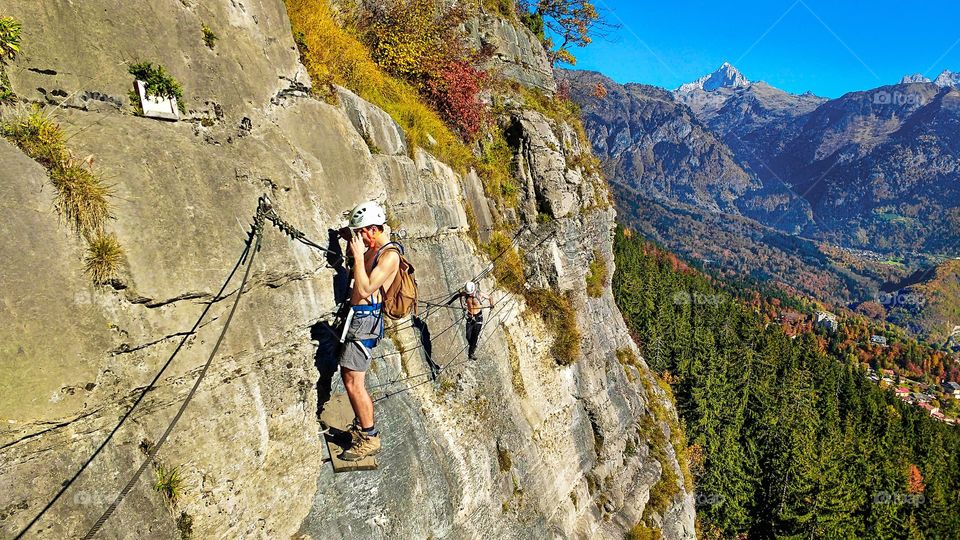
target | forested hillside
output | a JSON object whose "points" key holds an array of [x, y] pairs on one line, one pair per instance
{"points": [[786, 440]]}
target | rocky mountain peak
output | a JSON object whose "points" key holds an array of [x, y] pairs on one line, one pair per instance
{"points": [[726, 76], [948, 79], [915, 78]]}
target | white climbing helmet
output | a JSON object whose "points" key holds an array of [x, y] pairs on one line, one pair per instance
{"points": [[470, 287], [366, 214]]}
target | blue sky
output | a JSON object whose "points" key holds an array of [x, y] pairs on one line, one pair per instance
{"points": [[827, 46]]}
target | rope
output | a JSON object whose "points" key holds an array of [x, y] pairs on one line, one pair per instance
{"points": [[443, 368], [249, 255], [430, 359], [66, 485]]}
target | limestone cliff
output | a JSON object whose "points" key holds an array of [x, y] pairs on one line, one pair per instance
{"points": [[508, 446]]}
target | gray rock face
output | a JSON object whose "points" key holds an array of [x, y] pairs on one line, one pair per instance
{"points": [[517, 53], [76, 356], [373, 124]]}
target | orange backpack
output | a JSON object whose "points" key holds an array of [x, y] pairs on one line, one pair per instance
{"points": [[401, 299]]}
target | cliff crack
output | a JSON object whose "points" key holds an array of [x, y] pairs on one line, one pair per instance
{"points": [[51, 426]]}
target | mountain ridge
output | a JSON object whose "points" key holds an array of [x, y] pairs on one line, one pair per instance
{"points": [[849, 173]]}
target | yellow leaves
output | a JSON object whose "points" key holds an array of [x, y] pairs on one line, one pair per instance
{"points": [[334, 56]]}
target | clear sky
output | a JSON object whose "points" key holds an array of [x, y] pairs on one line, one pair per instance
{"points": [[827, 46]]}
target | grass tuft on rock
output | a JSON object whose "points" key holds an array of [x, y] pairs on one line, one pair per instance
{"points": [[507, 264], [81, 197], [37, 135], [103, 258], [168, 483], [558, 313], [597, 275]]}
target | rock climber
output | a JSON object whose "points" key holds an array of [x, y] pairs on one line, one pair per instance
{"points": [[372, 274], [472, 300]]}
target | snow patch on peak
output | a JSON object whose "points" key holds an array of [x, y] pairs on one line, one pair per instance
{"points": [[915, 78], [726, 76]]}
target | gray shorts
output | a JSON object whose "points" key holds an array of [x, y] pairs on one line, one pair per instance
{"points": [[354, 354]]}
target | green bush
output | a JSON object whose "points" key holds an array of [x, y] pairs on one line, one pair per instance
{"points": [[9, 48], [642, 532], [209, 37], [504, 8], [158, 83], [534, 22], [495, 167], [10, 30]]}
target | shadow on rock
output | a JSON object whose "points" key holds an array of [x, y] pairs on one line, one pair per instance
{"points": [[327, 333]]}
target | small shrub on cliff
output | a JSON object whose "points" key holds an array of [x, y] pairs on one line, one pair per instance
{"points": [[507, 266], [158, 82], [597, 275], [503, 8], [103, 258], [453, 91], [642, 532], [557, 311], [495, 167], [421, 41], [10, 30], [209, 37], [9, 49]]}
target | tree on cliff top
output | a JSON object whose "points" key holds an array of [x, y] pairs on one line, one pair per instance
{"points": [[575, 23]]}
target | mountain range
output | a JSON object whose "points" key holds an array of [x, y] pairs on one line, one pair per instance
{"points": [[835, 198]]}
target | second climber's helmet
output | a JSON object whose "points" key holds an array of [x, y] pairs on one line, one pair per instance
{"points": [[366, 214], [470, 287]]}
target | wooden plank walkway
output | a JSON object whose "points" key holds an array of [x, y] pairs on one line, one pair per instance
{"points": [[337, 416]]}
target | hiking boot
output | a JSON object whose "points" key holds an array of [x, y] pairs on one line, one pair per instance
{"points": [[363, 446]]}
